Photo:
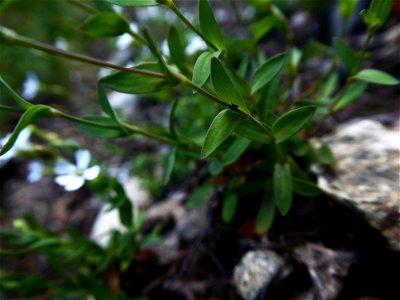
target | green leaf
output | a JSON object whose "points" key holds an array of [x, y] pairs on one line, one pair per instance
{"points": [[200, 194], [325, 154], [265, 216], [229, 205], [253, 132], [98, 131], [329, 85], [220, 129], [376, 76], [18, 99], [282, 180], [292, 122], [349, 95], [305, 187], [224, 87], [45, 242], [132, 83], [209, 26], [235, 150], [177, 50], [372, 21], [134, 2], [346, 8], [31, 115], [268, 100], [202, 67], [346, 55], [169, 165], [267, 71], [105, 24], [262, 27], [381, 9]]}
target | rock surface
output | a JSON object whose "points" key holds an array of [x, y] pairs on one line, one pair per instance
{"points": [[366, 174], [255, 271]]}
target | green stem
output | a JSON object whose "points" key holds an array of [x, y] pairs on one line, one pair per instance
{"points": [[178, 13], [11, 109]]}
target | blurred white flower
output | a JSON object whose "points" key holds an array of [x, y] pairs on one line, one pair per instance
{"points": [[195, 44], [35, 171], [21, 144], [124, 41], [73, 177], [61, 43], [30, 86]]}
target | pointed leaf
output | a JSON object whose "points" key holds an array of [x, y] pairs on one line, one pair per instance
{"points": [[202, 67], [177, 49], [262, 27], [132, 83], [305, 187], [267, 71], [381, 9], [224, 87], [229, 205], [265, 216], [253, 132], [282, 180], [18, 99], [292, 122], [209, 26], [346, 8], [31, 115], [98, 131], [346, 55], [349, 95], [220, 129], [235, 150], [325, 154], [169, 165], [135, 2], [105, 24], [376, 76]]}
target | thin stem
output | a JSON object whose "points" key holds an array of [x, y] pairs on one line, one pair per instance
{"points": [[11, 109], [178, 13], [11, 37]]}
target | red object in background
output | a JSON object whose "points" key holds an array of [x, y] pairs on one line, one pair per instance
{"points": [[248, 230], [396, 7]]}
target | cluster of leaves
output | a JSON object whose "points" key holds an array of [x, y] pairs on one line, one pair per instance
{"points": [[259, 117]]}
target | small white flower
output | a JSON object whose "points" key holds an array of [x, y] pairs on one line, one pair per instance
{"points": [[21, 144], [124, 41], [30, 86], [35, 171], [73, 177], [61, 43]]}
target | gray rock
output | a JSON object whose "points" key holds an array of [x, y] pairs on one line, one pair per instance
{"points": [[255, 271], [326, 267], [366, 174]]}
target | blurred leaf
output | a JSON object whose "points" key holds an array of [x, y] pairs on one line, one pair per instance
{"points": [[200, 194], [32, 114], [347, 7], [329, 86], [209, 26], [105, 24], [381, 10], [202, 67], [349, 95], [94, 286], [132, 83], [224, 87], [106, 106], [325, 154], [346, 55], [267, 71], [282, 179], [263, 26], [372, 21], [23, 285], [376, 76], [268, 100], [251, 131], [292, 122], [177, 50], [45, 242], [294, 58], [215, 167], [101, 132], [134, 2], [305, 187], [265, 216], [169, 165], [19, 100], [235, 150], [229, 205], [220, 129]]}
